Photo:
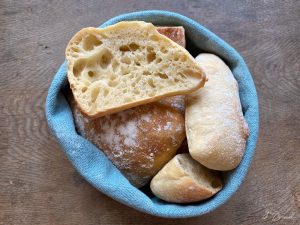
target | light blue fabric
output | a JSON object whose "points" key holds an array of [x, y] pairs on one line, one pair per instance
{"points": [[93, 165]]}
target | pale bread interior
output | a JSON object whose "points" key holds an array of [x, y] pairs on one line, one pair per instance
{"points": [[205, 178], [126, 65]]}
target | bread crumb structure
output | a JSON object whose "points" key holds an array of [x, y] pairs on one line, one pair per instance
{"points": [[125, 65]]}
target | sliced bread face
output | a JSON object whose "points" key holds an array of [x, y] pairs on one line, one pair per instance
{"points": [[125, 65]]}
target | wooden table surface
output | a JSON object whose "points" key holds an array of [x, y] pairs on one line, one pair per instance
{"points": [[38, 185]]}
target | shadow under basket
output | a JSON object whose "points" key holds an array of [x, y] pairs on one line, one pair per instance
{"points": [[94, 166]]}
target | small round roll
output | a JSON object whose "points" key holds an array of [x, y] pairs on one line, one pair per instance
{"points": [[215, 127], [184, 180]]}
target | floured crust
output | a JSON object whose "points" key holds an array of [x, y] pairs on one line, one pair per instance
{"points": [[139, 141], [184, 180], [125, 65], [215, 126]]}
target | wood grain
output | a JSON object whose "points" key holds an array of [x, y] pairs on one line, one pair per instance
{"points": [[37, 183]]}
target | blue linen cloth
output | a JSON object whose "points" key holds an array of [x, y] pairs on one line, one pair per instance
{"points": [[94, 166]]}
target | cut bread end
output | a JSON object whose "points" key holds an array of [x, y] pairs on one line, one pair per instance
{"points": [[184, 180], [126, 65], [203, 176]]}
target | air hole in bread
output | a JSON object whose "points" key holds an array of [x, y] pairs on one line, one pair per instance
{"points": [[126, 59], [145, 72], [112, 83], [183, 58], [91, 74], [133, 46], [151, 57], [158, 60], [151, 83], [112, 76], [162, 75], [138, 79], [154, 37], [90, 42], [95, 93], [164, 50], [137, 63], [139, 58], [115, 65], [74, 49], [149, 49], [216, 184], [124, 48], [86, 82], [83, 89], [176, 80], [125, 70], [78, 67], [105, 59]]}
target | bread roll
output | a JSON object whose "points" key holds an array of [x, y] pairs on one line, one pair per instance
{"points": [[215, 127], [141, 140], [184, 180], [126, 65]]}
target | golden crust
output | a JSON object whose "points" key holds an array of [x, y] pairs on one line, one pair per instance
{"points": [[215, 126], [139, 141], [183, 180]]}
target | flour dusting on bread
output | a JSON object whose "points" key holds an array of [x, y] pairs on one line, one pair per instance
{"points": [[216, 129]]}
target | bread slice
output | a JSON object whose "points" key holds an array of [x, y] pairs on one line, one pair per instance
{"points": [[184, 180], [125, 65]]}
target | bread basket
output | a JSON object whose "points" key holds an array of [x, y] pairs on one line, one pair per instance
{"points": [[93, 165]]}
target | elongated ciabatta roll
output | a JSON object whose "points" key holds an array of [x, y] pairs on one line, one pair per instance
{"points": [[184, 180], [126, 65], [215, 127]]}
